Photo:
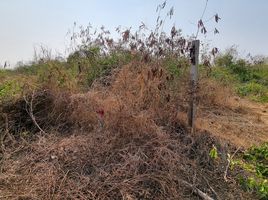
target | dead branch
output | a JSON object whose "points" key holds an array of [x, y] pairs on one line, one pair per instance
{"points": [[215, 193], [197, 191], [30, 112], [6, 133]]}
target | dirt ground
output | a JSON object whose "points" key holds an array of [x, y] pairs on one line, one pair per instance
{"points": [[244, 124]]}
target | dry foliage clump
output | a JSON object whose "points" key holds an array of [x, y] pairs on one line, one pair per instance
{"points": [[213, 94], [120, 142], [49, 107], [135, 93]]}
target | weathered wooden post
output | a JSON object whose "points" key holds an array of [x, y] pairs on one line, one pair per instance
{"points": [[194, 55]]}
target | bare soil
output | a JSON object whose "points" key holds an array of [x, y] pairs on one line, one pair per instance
{"points": [[244, 124]]}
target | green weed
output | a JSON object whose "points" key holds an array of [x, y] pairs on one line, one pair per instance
{"points": [[255, 163]]}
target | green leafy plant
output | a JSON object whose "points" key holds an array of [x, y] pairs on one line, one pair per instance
{"points": [[255, 164], [253, 184], [213, 152]]}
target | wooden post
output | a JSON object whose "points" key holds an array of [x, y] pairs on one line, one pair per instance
{"points": [[194, 54]]}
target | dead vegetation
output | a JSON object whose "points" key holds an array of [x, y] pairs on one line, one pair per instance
{"points": [[110, 122], [127, 140]]}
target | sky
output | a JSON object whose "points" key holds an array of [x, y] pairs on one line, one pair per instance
{"points": [[27, 24]]}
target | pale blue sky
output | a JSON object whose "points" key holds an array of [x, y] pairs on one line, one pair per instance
{"points": [[27, 23]]}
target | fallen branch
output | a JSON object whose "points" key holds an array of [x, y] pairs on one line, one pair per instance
{"points": [[215, 193], [197, 191]]}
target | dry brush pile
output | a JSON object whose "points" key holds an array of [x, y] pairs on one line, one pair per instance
{"points": [[122, 141]]}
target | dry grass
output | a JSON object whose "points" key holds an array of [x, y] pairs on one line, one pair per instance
{"points": [[105, 165], [213, 94], [123, 141]]}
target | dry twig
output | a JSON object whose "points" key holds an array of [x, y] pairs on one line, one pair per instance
{"points": [[228, 164], [30, 112]]}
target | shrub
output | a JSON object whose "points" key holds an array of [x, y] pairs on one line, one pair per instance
{"points": [[254, 90], [223, 75], [247, 79], [241, 70], [224, 60], [9, 89], [228, 58], [176, 66]]}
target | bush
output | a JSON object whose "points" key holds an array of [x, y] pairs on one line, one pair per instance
{"points": [[176, 66], [241, 70], [224, 60], [9, 89], [223, 75], [253, 90], [104, 64], [247, 79], [228, 58]]}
